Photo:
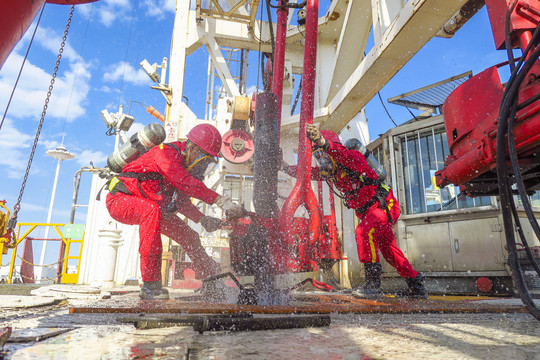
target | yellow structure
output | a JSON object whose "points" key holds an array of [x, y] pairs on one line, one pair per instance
{"points": [[68, 242]]}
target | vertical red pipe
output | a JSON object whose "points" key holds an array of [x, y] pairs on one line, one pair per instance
{"points": [[335, 246], [279, 55], [302, 192], [308, 90]]}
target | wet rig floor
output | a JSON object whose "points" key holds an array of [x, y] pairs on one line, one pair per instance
{"points": [[78, 325]]}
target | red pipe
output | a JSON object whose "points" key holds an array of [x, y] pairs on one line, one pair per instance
{"points": [[302, 192], [335, 247]]}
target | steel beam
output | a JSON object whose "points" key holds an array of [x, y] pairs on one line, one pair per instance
{"points": [[413, 27], [221, 66]]}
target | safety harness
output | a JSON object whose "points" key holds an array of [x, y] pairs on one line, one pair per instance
{"points": [[381, 192], [115, 184]]}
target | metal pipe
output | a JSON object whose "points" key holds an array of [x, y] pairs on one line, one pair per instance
{"points": [[335, 246], [308, 93], [265, 164], [49, 216], [302, 192], [264, 323], [279, 56]]}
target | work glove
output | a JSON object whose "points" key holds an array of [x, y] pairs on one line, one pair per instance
{"points": [[233, 210], [314, 135], [210, 224]]}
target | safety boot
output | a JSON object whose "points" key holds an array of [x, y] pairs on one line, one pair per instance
{"points": [[372, 287], [416, 289], [152, 290]]}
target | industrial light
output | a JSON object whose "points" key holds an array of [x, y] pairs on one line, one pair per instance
{"points": [[125, 122], [150, 70], [107, 118], [119, 121]]}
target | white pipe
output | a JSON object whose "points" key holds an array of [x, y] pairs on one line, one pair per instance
{"points": [[49, 217], [109, 241]]}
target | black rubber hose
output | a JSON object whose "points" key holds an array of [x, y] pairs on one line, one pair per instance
{"points": [[507, 109]]}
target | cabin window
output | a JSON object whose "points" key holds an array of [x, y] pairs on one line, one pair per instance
{"points": [[423, 153]]}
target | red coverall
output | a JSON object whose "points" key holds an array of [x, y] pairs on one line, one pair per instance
{"points": [[149, 211], [374, 233]]}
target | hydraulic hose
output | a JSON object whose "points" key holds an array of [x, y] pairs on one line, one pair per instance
{"points": [[507, 113]]}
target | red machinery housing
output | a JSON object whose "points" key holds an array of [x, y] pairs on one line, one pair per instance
{"points": [[16, 17], [471, 112]]}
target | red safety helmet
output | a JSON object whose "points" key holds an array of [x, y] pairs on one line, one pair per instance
{"points": [[330, 136], [207, 137]]}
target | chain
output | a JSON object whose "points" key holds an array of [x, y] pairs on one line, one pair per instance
{"points": [[17, 206], [31, 264]]}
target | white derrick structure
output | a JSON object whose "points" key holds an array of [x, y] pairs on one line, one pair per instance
{"points": [[352, 67]]}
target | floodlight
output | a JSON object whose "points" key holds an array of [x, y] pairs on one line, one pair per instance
{"points": [[125, 122], [107, 118], [150, 70]]}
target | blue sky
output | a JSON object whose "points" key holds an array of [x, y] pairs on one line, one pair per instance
{"points": [[100, 70]]}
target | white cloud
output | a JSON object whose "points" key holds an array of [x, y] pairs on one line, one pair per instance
{"points": [[66, 101], [51, 40], [159, 8], [117, 3], [108, 11], [98, 158], [106, 89], [128, 72], [15, 145], [49, 144]]}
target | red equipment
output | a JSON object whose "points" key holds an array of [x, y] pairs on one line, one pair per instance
{"points": [[238, 146], [152, 111], [330, 136], [471, 112], [302, 192], [295, 243], [16, 17]]}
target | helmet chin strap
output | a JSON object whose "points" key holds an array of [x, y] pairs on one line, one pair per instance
{"points": [[327, 165], [202, 156]]}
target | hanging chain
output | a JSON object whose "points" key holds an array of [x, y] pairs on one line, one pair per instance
{"points": [[17, 206]]}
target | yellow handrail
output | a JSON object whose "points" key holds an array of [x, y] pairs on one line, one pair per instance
{"points": [[70, 278]]}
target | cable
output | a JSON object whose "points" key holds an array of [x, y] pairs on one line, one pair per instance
{"points": [[506, 120], [127, 51], [260, 55], [22, 66], [77, 68], [385, 109], [272, 39], [384, 106], [298, 92]]}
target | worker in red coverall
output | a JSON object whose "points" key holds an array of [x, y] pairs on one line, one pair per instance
{"points": [[152, 189], [375, 206]]}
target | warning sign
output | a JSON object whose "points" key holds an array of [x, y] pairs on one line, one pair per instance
{"points": [[171, 129]]}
